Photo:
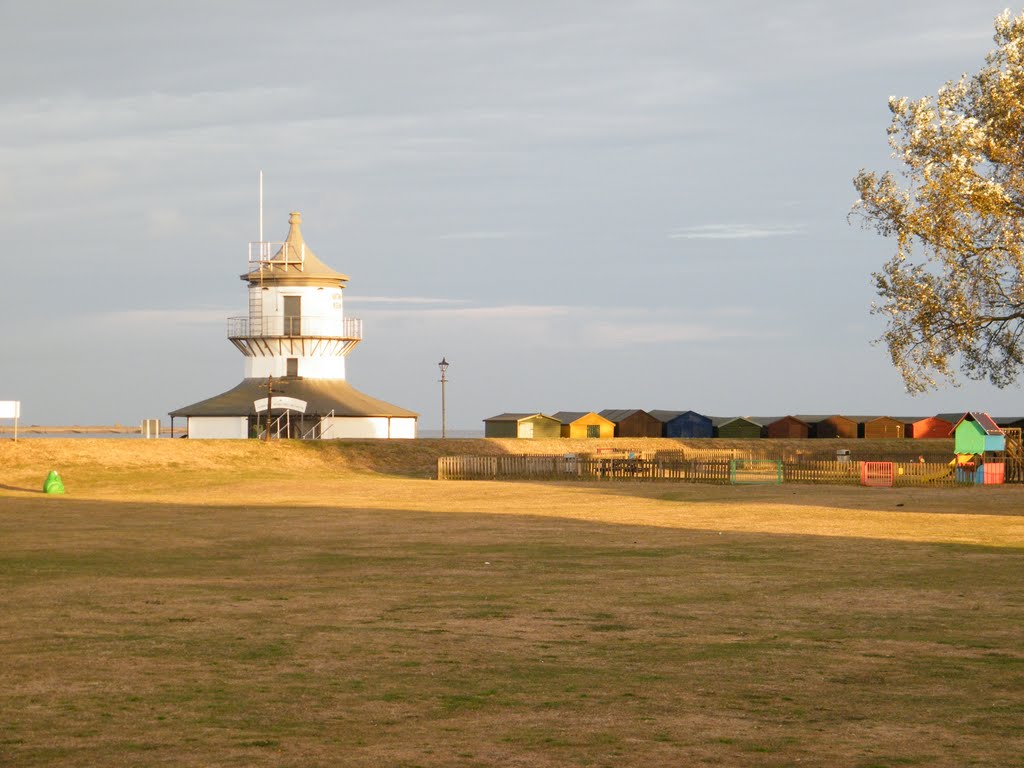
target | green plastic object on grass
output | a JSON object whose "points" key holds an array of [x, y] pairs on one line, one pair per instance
{"points": [[53, 483]]}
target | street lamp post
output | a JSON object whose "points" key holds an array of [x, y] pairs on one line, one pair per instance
{"points": [[270, 385], [443, 365]]}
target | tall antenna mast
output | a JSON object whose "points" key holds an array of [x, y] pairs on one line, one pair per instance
{"points": [[262, 246]]}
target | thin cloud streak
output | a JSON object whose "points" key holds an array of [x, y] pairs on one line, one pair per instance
{"points": [[515, 311], [478, 236], [626, 334], [166, 319], [587, 327], [402, 300], [733, 232]]}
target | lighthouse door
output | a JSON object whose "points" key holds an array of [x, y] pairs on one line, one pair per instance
{"points": [[292, 315]]}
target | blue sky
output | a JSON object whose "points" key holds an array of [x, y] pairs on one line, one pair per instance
{"points": [[582, 205]]}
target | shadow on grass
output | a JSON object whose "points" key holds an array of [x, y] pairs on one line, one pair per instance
{"points": [[22, 490], [1002, 500], [418, 458], [178, 627]]}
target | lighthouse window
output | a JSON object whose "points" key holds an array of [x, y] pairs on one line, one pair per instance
{"points": [[292, 366]]}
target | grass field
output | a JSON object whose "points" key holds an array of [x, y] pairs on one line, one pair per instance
{"points": [[233, 603]]}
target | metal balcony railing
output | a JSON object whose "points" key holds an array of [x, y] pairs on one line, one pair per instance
{"points": [[305, 325]]}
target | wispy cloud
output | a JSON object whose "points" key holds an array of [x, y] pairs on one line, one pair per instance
{"points": [[579, 327], [731, 311], [511, 311], [166, 318], [734, 232], [644, 332], [479, 236], [423, 300]]}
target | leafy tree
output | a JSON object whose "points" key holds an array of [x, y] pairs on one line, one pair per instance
{"points": [[953, 293]]}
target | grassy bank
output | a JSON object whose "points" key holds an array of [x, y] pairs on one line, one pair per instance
{"points": [[82, 458]]}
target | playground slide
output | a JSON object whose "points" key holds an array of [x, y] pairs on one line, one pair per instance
{"points": [[912, 474], [941, 474]]}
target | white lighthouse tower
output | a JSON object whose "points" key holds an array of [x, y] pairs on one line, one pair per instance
{"points": [[296, 324], [295, 340]]}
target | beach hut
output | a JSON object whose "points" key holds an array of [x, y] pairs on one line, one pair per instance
{"points": [[737, 427], [585, 424], [684, 424], [633, 423], [788, 427], [879, 427], [977, 433], [1012, 422], [522, 425], [928, 428], [830, 426]]}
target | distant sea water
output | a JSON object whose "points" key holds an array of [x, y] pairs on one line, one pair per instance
{"points": [[22, 435], [452, 433], [64, 435]]}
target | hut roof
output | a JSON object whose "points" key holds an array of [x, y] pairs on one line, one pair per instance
{"points": [[1005, 421], [761, 421], [764, 421], [916, 419], [983, 420], [621, 414], [790, 416], [812, 418], [516, 416], [568, 417], [720, 421], [321, 395], [665, 416], [868, 419], [818, 418]]}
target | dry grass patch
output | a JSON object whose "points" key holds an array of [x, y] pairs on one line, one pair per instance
{"points": [[293, 607]]}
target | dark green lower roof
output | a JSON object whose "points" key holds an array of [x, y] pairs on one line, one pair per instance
{"points": [[321, 395]]}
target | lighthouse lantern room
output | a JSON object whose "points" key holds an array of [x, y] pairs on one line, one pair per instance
{"points": [[295, 340]]}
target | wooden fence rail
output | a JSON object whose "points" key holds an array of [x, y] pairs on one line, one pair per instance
{"points": [[536, 467]]}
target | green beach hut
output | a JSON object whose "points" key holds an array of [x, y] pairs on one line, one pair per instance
{"points": [[523, 425]]}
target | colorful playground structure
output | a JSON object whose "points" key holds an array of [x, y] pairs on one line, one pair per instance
{"points": [[985, 454], [980, 447], [982, 452]]}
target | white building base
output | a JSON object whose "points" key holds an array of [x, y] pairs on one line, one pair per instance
{"points": [[218, 427], [332, 428], [337, 427]]}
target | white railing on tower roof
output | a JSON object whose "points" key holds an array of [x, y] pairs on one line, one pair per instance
{"points": [[263, 256], [304, 325]]}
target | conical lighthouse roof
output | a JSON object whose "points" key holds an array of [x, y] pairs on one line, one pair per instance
{"points": [[294, 263]]}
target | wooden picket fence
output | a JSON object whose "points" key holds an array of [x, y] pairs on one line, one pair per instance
{"points": [[537, 467], [591, 468]]}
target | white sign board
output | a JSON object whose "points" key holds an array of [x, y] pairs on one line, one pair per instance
{"points": [[278, 402], [10, 409]]}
